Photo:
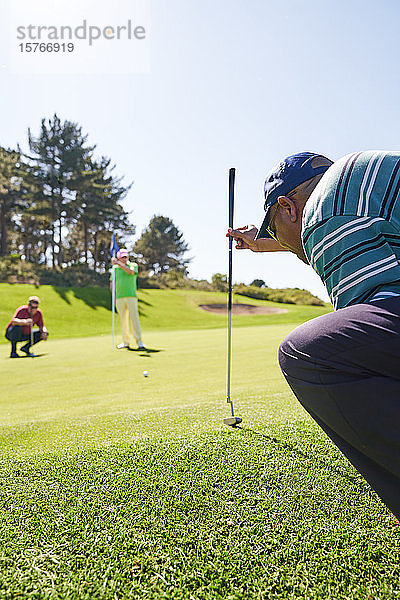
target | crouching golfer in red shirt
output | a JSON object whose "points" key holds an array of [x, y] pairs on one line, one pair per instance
{"points": [[20, 327]]}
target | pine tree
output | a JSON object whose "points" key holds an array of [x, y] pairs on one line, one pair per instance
{"points": [[161, 247], [98, 211], [14, 186], [59, 154]]}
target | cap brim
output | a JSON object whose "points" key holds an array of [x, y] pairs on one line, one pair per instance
{"points": [[262, 232]]}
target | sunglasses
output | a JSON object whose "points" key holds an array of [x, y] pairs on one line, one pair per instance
{"points": [[270, 229]]}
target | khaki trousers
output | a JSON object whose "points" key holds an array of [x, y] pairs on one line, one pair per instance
{"points": [[128, 311]]}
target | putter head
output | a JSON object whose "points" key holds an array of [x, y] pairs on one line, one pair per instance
{"points": [[232, 421]]}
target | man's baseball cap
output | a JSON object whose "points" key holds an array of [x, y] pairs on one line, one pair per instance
{"points": [[287, 175], [33, 299], [122, 253]]}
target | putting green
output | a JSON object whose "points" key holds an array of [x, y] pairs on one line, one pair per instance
{"points": [[115, 485], [81, 312], [79, 393]]}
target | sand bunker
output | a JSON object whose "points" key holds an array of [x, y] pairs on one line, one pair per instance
{"points": [[242, 309]]}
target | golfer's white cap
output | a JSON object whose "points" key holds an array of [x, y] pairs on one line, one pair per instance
{"points": [[123, 252], [34, 299]]}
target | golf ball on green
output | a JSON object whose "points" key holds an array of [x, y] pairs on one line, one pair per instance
{"points": [[145, 373]]}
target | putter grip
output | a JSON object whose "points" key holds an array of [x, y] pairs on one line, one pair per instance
{"points": [[230, 210], [231, 195]]}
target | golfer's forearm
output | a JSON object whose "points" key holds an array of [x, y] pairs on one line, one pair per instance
{"points": [[17, 321], [128, 270], [268, 245], [125, 268]]}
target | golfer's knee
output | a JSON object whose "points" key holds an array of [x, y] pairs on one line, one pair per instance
{"points": [[285, 356], [11, 335], [295, 353]]}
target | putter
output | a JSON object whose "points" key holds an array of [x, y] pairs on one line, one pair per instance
{"points": [[232, 421]]}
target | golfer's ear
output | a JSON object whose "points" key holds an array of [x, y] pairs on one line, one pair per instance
{"points": [[288, 206]]}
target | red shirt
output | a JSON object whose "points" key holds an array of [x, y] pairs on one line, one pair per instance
{"points": [[24, 312]]}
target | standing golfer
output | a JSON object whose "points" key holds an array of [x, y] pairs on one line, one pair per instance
{"points": [[126, 297], [343, 219], [20, 328]]}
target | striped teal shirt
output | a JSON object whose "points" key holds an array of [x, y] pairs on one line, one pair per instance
{"points": [[351, 228]]}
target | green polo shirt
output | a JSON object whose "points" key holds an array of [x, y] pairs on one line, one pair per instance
{"points": [[125, 284]]}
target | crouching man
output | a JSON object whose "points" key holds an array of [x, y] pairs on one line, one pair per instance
{"points": [[20, 328]]}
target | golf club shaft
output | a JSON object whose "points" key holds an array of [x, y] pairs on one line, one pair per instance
{"points": [[31, 326], [231, 208], [113, 305]]}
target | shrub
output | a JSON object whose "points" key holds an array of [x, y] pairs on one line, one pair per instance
{"points": [[219, 282], [15, 270], [287, 295], [260, 283], [74, 276]]}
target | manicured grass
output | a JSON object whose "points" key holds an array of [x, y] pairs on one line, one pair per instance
{"points": [[113, 485], [81, 393], [80, 312], [234, 515]]}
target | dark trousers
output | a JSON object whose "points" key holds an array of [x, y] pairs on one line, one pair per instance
{"points": [[344, 368], [14, 334]]}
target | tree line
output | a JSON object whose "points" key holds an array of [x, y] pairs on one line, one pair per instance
{"points": [[59, 204]]}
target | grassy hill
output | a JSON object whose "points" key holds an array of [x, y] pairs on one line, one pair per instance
{"points": [[81, 312]]}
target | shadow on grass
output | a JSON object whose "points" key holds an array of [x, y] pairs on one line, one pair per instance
{"points": [[94, 297], [145, 353], [36, 355], [62, 292], [141, 304], [141, 301], [292, 448]]}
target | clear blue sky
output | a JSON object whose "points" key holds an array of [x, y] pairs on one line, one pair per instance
{"points": [[231, 83]]}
